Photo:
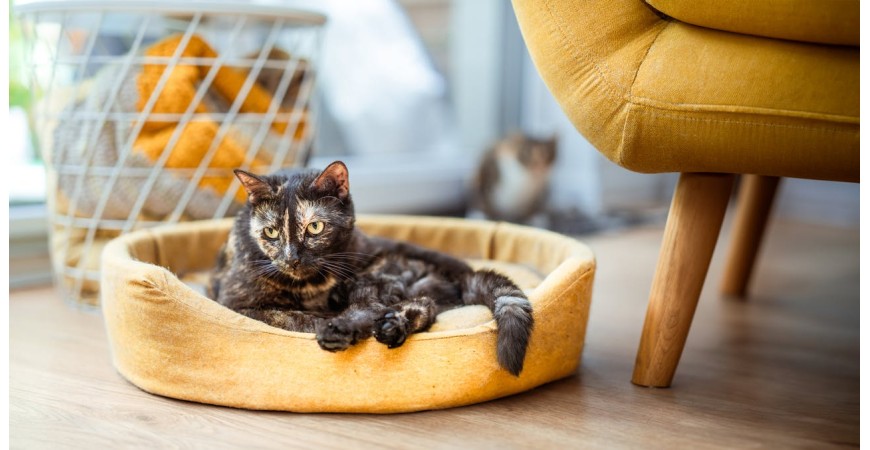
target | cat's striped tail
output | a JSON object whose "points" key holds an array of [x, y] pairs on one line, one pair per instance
{"points": [[512, 312]]}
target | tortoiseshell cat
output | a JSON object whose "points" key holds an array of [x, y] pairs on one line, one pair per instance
{"points": [[294, 260]]}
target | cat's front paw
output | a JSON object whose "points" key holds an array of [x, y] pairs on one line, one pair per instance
{"points": [[391, 329], [335, 335]]}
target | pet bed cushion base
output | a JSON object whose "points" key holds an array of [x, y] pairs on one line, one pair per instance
{"points": [[169, 340]]}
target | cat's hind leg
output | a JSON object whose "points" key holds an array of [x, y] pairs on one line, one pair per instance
{"points": [[288, 320], [403, 319], [348, 328], [367, 297], [333, 333]]}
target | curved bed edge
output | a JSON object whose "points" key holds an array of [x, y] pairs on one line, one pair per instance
{"points": [[169, 340]]}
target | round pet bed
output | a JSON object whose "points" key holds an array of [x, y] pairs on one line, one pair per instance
{"points": [[168, 339]]}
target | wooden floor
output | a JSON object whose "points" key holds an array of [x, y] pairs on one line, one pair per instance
{"points": [[779, 371]]}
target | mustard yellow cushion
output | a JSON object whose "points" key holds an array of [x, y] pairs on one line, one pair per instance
{"points": [[819, 21], [657, 95], [170, 340]]}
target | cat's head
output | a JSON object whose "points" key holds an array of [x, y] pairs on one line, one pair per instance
{"points": [[535, 154], [299, 220]]}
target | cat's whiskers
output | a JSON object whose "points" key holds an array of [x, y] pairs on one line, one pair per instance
{"points": [[350, 254], [340, 266], [266, 269], [321, 273], [344, 264], [338, 269], [352, 257], [342, 260]]}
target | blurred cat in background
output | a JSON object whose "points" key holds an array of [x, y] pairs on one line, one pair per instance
{"points": [[513, 178]]}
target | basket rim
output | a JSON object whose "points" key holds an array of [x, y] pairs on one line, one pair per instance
{"points": [[296, 15]]}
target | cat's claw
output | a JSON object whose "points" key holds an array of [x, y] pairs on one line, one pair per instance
{"points": [[391, 329], [335, 335]]}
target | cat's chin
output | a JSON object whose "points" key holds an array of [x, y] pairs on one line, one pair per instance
{"points": [[299, 274]]}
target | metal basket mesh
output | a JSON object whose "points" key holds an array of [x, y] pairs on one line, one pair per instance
{"points": [[141, 115]]}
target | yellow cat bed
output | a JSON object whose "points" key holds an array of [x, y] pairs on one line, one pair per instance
{"points": [[168, 339]]}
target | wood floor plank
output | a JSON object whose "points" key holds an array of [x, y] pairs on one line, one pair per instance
{"points": [[780, 370]]}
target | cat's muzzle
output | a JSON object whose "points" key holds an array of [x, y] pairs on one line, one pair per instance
{"points": [[296, 270]]}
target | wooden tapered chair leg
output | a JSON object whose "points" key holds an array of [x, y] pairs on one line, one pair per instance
{"points": [[753, 210], [692, 229]]}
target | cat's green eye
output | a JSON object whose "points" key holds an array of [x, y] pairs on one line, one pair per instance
{"points": [[315, 227], [270, 233]]}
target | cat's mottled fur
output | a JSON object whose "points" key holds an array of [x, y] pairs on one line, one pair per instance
{"points": [[295, 260], [512, 179]]}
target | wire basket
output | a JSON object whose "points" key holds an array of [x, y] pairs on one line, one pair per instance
{"points": [[142, 111]]}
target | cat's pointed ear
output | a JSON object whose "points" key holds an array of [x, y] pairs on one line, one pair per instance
{"points": [[256, 187], [333, 179]]}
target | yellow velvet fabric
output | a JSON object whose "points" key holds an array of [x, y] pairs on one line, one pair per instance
{"points": [[659, 95], [169, 340], [820, 21]]}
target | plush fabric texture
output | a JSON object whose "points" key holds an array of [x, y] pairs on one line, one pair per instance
{"points": [[819, 21], [169, 340], [658, 95]]}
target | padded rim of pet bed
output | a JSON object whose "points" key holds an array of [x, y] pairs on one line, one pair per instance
{"points": [[167, 339]]}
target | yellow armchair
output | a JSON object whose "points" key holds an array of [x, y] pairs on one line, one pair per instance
{"points": [[709, 89]]}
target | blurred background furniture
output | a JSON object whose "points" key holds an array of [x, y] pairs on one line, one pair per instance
{"points": [[709, 90], [452, 69]]}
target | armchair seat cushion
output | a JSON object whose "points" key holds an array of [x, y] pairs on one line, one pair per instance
{"points": [[820, 21], [659, 95]]}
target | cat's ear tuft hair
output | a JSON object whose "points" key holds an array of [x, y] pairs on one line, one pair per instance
{"points": [[256, 187], [333, 179]]}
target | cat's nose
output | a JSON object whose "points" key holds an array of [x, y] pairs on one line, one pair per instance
{"points": [[292, 255]]}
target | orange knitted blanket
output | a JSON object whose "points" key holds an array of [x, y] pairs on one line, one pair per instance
{"points": [[195, 140]]}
